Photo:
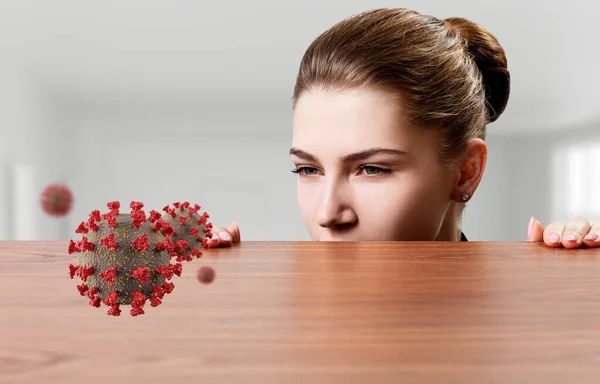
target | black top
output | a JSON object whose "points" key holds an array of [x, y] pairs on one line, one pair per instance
{"points": [[463, 237]]}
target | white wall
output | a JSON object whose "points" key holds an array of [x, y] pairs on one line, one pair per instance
{"points": [[32, 154], [214, 161]]}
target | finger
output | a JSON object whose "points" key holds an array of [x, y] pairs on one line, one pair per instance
{"points": [[221, 237], [592, 239], [553, 234], [535, 231], [575, 230], [234, 229]]}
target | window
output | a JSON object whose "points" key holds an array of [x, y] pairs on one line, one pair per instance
{"points": [[5, 203], [576, 188], [24, 201]]}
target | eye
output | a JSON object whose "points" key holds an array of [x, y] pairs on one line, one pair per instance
{"points": [[372, 170], [305, 171]]}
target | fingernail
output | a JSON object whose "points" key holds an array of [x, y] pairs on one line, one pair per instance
{"points": [[571, 237], [530, 228], [554, 238], [591, 236], [225, 236]]}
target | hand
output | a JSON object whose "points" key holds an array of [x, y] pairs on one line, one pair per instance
{"points": [[223, 237], [576, 233]]}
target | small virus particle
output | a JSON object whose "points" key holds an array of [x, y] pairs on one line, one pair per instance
{"points": [[56, 200], [191, 230], [206, 274], [124, 259]]}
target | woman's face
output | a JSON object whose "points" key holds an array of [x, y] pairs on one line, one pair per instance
{"points": [[364, 173]]}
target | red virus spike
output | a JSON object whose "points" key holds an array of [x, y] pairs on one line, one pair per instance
{"points": [[93, 220], [168, 287], [114, 206], [109, 275], [164, 245], [154, 215], [165, 271], [109, 242], [137, 303], [194, 231], [73, 247], [111, 218], [114, 310], [154, 300], [167, 229], [95, 301], [142, 274], [136, 205], [163, 227], [111, 299], [204, 241], [193, 209], [82, 288], [159, 292], [158, 223], [141, 243], [177, 269], [72, 268], [182, 220], [119, 249], [180, 246], [91, 293], [84, 272], [170, 211], [197, 253], [138, 217], [85, 245], [176, 204], [82, 228]]}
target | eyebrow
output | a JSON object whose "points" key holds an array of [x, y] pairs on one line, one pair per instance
{"points": [[357, 156]]}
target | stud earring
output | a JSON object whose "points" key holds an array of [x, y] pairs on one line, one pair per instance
{"points": [[464, 196]]}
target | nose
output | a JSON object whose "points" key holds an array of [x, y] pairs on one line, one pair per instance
{"points": [[335, 209]]}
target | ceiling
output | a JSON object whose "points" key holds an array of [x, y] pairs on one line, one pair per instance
{"points": [[244, 54]]}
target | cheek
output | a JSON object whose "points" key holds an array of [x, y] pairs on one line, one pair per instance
{"points": [[307, 198], [410, 207]]}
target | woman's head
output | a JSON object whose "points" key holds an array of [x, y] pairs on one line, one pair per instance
{"points": [[397, 80]]}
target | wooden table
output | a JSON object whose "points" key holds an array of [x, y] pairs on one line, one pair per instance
{"points": [[280, 312]]}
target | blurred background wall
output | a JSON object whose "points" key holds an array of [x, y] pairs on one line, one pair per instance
{"points": [[164, 101]]}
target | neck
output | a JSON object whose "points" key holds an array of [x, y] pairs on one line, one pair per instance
{"points": [[450, 230]]}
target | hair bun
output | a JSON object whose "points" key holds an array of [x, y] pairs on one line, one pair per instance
{"points": [[490, 59]]}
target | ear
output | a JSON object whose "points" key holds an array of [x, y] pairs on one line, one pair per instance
{"points": [[470, 170]]}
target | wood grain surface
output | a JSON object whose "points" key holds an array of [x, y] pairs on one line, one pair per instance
{"points": [[303, 312]]}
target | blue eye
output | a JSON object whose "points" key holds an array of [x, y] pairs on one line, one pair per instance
{"points": [[303, 170], [373, 171], [369, 170]]}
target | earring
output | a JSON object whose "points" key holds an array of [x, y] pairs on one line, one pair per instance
{"points": [[464, 196]]}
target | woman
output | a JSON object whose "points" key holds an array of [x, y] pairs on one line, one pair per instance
{"points": [[389, 123]]}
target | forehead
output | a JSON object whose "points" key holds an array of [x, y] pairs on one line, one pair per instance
{"points": [[350, 120]]}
